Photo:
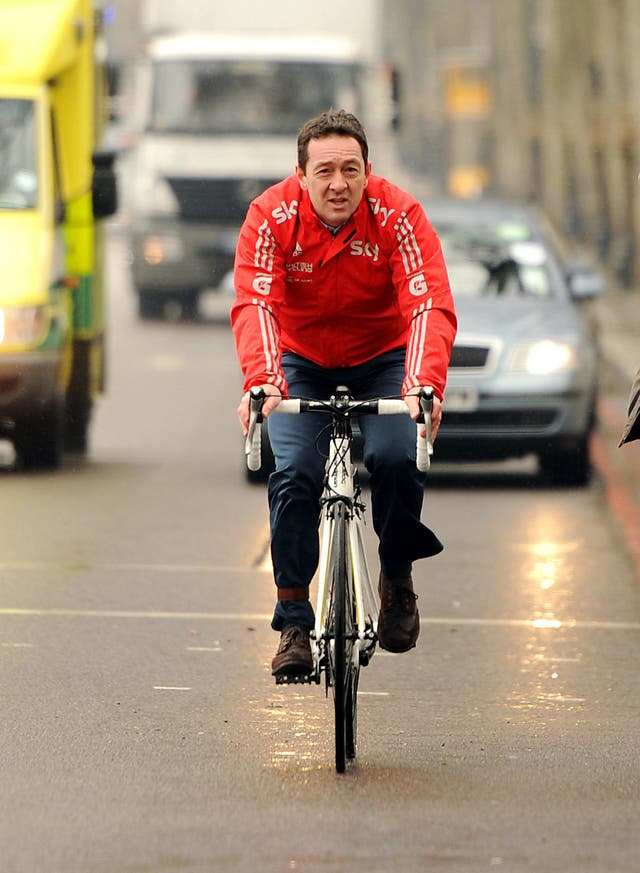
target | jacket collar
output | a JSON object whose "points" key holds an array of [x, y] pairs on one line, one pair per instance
{"points": [[335, 243]]}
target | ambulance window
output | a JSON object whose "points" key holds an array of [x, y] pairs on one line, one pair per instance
{"points": [[18, 179]]}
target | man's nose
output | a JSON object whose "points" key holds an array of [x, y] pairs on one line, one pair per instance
{"points": [[338, 182]]}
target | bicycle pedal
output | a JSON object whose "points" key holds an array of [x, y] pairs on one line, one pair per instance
{"points": [[296, 678]]}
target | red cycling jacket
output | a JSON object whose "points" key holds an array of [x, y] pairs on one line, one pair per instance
{"points": [[379, 284]]}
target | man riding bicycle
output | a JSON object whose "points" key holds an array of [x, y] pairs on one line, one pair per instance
{"points": [[340, 279]]}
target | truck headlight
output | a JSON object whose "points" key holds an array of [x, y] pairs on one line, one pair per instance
{"points": [[22, 325], [160, 248], [543, 358]]}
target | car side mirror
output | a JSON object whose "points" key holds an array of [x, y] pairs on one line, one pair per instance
{"points": [[104, 187]]}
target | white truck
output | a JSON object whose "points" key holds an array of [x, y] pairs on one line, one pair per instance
{"points": [[216, 119]]}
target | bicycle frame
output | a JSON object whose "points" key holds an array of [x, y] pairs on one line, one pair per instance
{"points": [[341, 485]]}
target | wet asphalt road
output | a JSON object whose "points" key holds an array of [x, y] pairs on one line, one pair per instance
{"points": [[140, 729]]}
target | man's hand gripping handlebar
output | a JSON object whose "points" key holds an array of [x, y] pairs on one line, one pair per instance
{"points": [[253, 439], [424, 443]]}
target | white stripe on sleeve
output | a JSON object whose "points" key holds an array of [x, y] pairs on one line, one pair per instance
{"points": [[418, 339]]}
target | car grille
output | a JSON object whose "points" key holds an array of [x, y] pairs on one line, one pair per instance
{"points": [[466, 357], [499, 420]]}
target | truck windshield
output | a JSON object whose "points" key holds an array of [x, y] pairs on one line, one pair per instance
{"points": [[240, 97], [18, 180]]}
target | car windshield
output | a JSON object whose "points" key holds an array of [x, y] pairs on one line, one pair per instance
{"points": [[240, 97], [482, 264], [18, 180]]}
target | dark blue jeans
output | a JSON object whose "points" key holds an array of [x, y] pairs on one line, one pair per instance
{"points": [[301, 443]]}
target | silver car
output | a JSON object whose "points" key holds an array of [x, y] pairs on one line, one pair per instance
{"points": [[523, 372]]}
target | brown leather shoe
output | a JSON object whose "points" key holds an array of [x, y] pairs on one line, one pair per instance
{"points": [[399, 619], [293, 657]]}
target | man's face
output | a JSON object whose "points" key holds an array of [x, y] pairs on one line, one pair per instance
{"points": [[335, 177]]}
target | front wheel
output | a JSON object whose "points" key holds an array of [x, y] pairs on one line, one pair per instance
{"points": [[342, 635], [567, 467]]}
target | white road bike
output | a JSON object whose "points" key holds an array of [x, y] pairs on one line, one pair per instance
{"points": [[347, 604]]}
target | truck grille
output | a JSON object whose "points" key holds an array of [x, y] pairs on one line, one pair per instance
{"points": [[205, 199]]}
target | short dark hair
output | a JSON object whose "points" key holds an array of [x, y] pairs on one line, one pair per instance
{"points": [[333, 121]]}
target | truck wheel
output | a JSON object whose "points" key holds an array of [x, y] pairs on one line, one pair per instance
{"points": [[76, 430], [78, 403], [38, 442], [190, 305], [151, 305]]}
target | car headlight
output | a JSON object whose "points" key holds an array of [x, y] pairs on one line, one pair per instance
{"points": [[22, 325], [543, 358]]}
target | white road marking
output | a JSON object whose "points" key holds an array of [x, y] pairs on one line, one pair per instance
{"points": [[16, 646], [262, 559], [265, 565], [204, 648], [454, 621], [172, 688], [536, 623], [127, 568], [124, 613]]}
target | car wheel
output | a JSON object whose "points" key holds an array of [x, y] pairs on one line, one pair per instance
{"points": [[567, 467]]}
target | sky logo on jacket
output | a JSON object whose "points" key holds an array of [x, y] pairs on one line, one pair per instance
{"points": [[360, 247], [377, 207], [285, 212]]}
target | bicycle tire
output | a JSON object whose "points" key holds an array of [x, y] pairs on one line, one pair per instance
{"points": [[342, 619]]}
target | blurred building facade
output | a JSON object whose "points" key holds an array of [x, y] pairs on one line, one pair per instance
{"points": [[532, 99]]}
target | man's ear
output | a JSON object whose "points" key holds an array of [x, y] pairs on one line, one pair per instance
{"points": [[367, 173], [301, 178]]}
